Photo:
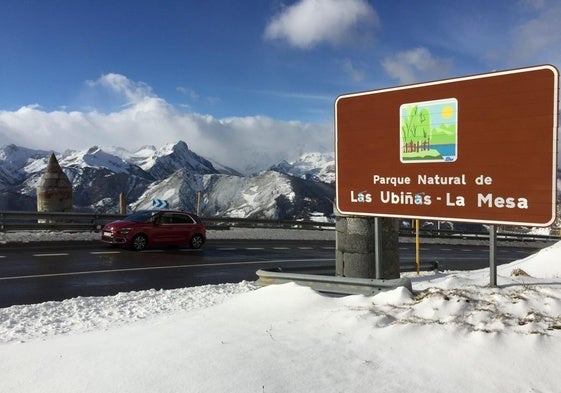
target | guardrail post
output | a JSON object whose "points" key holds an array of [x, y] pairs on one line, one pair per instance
{"points": [[122, 204]]}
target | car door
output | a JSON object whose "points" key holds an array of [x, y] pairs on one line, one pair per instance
{"points": [[163, 229], [184, 227]]}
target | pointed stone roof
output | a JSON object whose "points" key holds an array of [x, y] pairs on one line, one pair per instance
{"points": [[53, 166], [54, 190]]}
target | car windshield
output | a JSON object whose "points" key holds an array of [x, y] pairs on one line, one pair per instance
{"points": [[144, 216]]}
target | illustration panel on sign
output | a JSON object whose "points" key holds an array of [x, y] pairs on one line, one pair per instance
{"points": [[429, 131]]}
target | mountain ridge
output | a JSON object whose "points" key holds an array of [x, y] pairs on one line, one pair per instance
{"points": [[174, 173]]}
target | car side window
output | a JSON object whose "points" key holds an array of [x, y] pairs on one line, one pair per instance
{"points": [[182, 219], [166, 219]]}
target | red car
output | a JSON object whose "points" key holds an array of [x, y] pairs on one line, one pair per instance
{"points": [[155, 228]]}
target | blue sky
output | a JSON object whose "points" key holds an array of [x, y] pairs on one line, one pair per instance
{"points": [[232, 77]]}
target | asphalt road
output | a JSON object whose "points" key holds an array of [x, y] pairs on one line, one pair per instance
{"points": [[34, 273]]}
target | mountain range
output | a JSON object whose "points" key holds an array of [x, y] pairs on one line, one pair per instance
{"points": [[303, 189]]}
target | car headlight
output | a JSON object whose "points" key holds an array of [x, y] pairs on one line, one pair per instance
{"points": [[124, 231]]}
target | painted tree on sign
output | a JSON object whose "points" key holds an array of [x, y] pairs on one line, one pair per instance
{"points": [[416, 129]]}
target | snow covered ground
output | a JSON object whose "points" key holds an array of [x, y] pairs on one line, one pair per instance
{"points": [[454, 333]]}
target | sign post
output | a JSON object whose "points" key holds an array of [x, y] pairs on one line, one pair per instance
{"points": [[480, 148], [417, 248], [379, 261], [493, 255]]}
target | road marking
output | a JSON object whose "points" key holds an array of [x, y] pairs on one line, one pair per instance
{"points": [[254, 248], [281, 248], [145, 251], [227, 249], [61, 254], [218, 264], [305, 248]]}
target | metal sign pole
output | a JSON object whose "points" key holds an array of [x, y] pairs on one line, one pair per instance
{"points": [[492, 255], [417, 255], [379, 264]]}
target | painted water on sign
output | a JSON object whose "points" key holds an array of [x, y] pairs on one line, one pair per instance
{"points": [[428, 131]]}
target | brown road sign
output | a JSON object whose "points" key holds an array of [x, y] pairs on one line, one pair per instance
{"points": [[481, 148]]}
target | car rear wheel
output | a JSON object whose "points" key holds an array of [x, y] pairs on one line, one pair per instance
{"points": [[196, 241], [139, 242]]}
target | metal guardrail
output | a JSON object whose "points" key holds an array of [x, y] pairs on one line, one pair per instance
{"points": [[473, 235], [32, 220], [332, 284], [20, 221]]}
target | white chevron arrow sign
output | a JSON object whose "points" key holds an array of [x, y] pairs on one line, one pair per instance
{"points": [[160, 203]]}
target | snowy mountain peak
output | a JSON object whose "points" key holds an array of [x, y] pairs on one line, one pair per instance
{"points": [[179, 147], [94, 157], [15, 161], [19, 156], [171, 157], [145, 151], [311, 166]]}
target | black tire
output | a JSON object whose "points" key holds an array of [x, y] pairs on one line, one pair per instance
{"points": [[196, 241], [139, 242]]}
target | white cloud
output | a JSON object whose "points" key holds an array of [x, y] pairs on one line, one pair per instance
{"points": [[539, 38], [133, 91], [309, 23], [246, 144], [196, 97], [193, 95], [416, 65], [525, 33], [352, 70]]}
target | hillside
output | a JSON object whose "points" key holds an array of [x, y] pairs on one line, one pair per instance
{"points": [[173, 173]]}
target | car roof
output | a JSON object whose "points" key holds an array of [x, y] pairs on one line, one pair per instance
{"points": [[164, 211]]}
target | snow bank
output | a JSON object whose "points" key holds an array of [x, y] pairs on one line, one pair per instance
{"points": [[453, 333]]}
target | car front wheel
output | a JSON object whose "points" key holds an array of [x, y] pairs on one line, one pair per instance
{"points": [[196, 241], [139, 242]]}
